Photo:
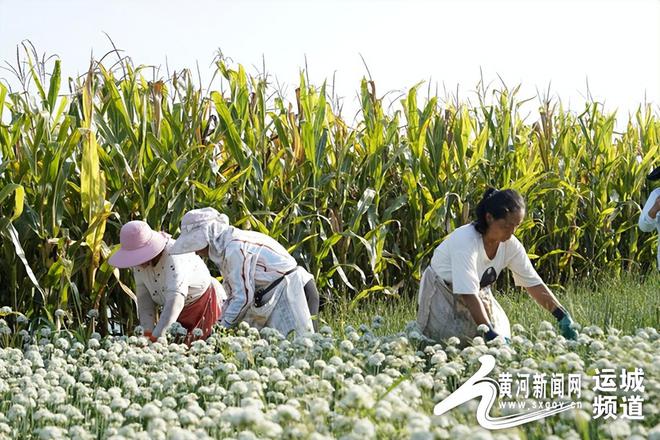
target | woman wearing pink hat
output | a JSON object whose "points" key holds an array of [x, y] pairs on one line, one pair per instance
{"points": [[180, 284], [265, 285]]}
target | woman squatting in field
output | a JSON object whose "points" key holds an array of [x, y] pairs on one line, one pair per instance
{"points": [[180, 284], [265, 285], [455, 294], [649, 220]]}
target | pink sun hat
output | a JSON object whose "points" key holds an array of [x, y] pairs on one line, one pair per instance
{"points": [[139, 244]]}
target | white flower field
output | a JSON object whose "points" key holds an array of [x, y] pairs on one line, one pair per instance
{"points": [[361, 203], [252, 384]]}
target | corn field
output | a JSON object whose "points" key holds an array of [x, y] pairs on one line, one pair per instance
{"points": [[360, 205]]}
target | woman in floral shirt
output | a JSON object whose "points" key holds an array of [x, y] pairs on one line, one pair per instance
{"points": [[180, 285]]}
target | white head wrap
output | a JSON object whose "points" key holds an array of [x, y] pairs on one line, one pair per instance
{"points": [[200, 228]]}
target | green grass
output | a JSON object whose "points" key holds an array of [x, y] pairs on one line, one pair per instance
{"points": [[626, 304]]}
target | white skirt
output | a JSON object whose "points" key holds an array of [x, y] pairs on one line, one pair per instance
{"points": [[441, 314]]}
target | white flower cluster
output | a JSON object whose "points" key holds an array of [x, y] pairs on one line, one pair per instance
{"points": [[253, 384]]}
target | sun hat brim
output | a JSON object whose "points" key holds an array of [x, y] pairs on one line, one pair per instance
{"points": [[129, 258], [191, 241]]}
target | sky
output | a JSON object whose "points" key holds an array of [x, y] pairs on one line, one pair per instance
{"points": [[608, 49]]}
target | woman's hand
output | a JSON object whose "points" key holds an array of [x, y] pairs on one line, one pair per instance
{"points": [[490, 333], [565, 323], [150, 336]]}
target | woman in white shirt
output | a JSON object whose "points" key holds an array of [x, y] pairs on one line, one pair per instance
{"points": [[180, 284], [649, 220], [455, 294], [265, 285]]}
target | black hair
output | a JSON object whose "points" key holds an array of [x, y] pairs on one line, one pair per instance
{"points": [[497, 203], [655, 174]]}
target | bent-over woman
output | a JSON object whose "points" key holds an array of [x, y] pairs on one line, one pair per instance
{"points": [[455, 294], [265, 285], [180, 285]]}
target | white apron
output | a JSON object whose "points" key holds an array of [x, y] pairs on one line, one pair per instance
{"points": [[442, 314]]}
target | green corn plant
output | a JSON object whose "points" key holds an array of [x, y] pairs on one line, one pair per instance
{"points": [[361, 205]]}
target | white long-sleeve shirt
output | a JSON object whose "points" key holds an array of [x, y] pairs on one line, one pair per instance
{"points": [[648, 224], [174, 282], [248, 261]]}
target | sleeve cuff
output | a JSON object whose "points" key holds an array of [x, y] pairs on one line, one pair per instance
{"points": [[171, 293], [648, 218]]}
